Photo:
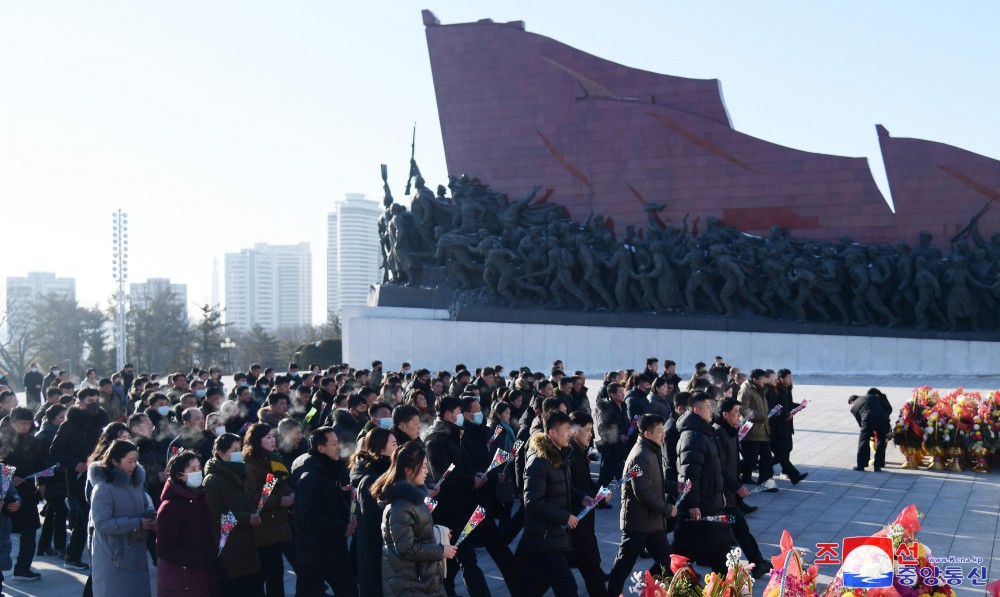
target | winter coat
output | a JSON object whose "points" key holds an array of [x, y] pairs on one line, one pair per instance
{"points": [[54, 486], [274, 526], [33, 386], [698, 461], [636, 404], [186, 543], [6, 563], [118, 548], [224, 488], [782, 428], [73, 443], [752, 398], [870, 414], [152, 460], [347, 427], [368, 535], [25, 453], [727, 438], [661, 405], [411, 557], [579, 469], [198, 441], [644, 505], [549, 496], [610, 424], [455, 500], [671, 436], [322, 510]]}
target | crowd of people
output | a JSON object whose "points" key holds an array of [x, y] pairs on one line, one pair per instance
{"points": [[362, 481]]}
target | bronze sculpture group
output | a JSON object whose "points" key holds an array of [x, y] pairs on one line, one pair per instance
{"points": [[527, 252]]}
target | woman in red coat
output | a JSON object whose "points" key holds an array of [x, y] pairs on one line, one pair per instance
{"points": [[185, 535]]}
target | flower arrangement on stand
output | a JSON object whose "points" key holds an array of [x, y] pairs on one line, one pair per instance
{"points": [[963, 426], [791, 576], [680, 581], [908, 432]]}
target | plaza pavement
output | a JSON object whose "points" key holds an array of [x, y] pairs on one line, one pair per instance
{"points": [[962, 509]]}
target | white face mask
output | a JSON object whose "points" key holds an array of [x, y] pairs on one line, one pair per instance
{"points": [[219, 431], [236, 457], [460, 420], [193, 479], [163, 410]]}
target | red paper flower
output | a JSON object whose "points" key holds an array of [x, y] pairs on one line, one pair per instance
{"points": [[678, 561]]}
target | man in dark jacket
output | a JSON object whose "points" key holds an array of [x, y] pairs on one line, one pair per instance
{"points": [[612, 429], [874, 421], [637, 401], [645, 510], [52, 540], [477, 457], [671, 436], [444, 448], [549, 501], [727, 435], [782, 428], [71, 446], [349, 422], [22, 451], [323, 519], [586, 555], [33, 386], [699, 463]]}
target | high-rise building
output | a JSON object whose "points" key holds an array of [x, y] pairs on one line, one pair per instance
{"points": [[143, 293], [269, 285], [352, 251], [23, 294]]}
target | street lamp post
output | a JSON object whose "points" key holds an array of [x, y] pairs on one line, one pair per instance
{"points": [[119, 269], [228, 345]]}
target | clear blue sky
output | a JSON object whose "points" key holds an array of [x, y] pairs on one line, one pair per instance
{"points": [[219, 124]]}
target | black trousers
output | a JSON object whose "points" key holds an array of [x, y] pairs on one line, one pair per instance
{"points": [[509, 530], [756, 455], [472, 574], [864, 450], [782, 455], [272, 570], [612, 463], [26, 552], [240, 586], [311, 579], [741, 530], [53, 525], [79, 513], [542, 570], [488, 535], [586, 558], [628, 552]]}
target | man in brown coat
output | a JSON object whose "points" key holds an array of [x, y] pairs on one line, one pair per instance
{"points": [[756, 446]]}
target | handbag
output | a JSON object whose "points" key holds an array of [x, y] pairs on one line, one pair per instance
{"points": [[442, 536]]}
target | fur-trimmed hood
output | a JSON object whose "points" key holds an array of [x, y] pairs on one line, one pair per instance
{"points": [[541, 444], [404, 490]]}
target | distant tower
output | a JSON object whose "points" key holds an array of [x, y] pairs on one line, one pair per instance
{"points": [[352, 251], [215, 281]]}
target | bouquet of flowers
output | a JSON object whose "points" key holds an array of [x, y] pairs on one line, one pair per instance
{"points": [[680, 581], [500, 458], [228, 524], [431, 503], [478, 516], [633, 426], [802, 405], [496, 434], [49, 472], [6, 478], [745, 429], [269, 482], [444, 475], [774, 411], [354, 497], [791, 575], [603, 492]]}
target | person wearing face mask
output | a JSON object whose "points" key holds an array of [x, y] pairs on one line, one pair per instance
{"points": [[211, 402], [225, 474], [76, 439], [52, 540], [366, 465], [348, 422], [153, 460], [22, 450], [477, 457], [185, 542], [192, 436], [379, 415], [121, 518], [455, 505]]}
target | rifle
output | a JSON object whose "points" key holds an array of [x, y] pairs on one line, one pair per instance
{"points": [[414, 171]]}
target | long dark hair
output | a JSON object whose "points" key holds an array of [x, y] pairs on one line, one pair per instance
{"points": [[108, 436], [375, 441], [251, 446], [119, 449], [410, 456]]}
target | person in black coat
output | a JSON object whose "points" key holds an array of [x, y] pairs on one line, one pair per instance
{"points": [[550, 501], [73, 443], [348, 423], [782, 428], [671, 436], [645, 510], [586, 554], [637, 400], [612, 439], [477, 457], [23, 451], [366, 466], [33, 386], [52, 540], [873, 420], [727, 435], [444, 448], [699, 462], [323, 520]]}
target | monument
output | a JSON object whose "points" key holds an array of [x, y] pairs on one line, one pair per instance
{"points": [[585, 193]]}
